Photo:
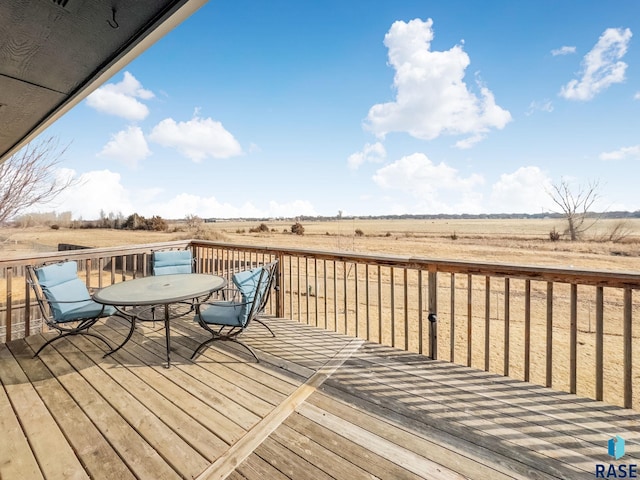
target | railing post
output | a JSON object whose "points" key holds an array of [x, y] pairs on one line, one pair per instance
{"points": [[599, 343], [433, 312], [627, 348]]}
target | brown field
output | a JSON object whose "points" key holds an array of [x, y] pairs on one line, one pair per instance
{"points": [[502, 241], [521, 242]]}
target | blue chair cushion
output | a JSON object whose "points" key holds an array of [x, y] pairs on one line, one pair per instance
{"points": [[174, 261], [67, 295], [247, 284], [222, 313], [88, 309]]}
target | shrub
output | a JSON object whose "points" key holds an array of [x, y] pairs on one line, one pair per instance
{"points": [[554, 235], [297, 228], [388, 234], [359, 233], [55, 227], [454, 236], [157, 224], [259, 229]]}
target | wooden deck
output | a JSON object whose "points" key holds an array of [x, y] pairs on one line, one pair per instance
{"points": [[319, 405]]}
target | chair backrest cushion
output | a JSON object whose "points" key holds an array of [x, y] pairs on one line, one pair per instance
{"points": [[252, 285], [174, 261], [60, 283]]}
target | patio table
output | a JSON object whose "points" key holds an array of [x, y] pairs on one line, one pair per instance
{"points": [[162, 290]]}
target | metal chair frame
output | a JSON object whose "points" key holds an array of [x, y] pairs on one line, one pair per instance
{"points": [[257, 307], [79, 326]]}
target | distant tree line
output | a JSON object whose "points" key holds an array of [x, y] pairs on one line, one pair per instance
{"points": [[110, 220]]}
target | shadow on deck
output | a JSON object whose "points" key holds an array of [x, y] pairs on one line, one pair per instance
{"points": [[319, 405]]}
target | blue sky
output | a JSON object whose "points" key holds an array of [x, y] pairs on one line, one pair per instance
{"points": [[285, 108]]}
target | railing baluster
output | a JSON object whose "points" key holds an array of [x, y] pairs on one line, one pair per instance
{"points": [[507, 325], [8, 316], [573, 338], [379, 304], [433, 310], [420, 314], [298, 291], [469, 319], [291, 286], [487, 322], [355, 292], [346, 298], [393, 307], [527, 330], [366, 296], [335, 296], [549, 376], [406, 307], [599, 342], [27, 306], [315, 286], [627, 335], [325, 291], [306, 286], [452, 319]]}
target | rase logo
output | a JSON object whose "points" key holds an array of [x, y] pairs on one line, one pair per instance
{"points": [[615, 448]]}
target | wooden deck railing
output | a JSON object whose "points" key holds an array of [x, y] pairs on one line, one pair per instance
{"points": [[573, 330]]}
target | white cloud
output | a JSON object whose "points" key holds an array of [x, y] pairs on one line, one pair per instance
{"points": [[375, 153], [431, 95], [197, 138], [103, 190], [435, 188], [206, 207], [636, 96], [127, 146], [622, 154], [92, 192], [564, 50], [544, 106], [601, 67], [469, 142], [121, 99], [523, 191]]}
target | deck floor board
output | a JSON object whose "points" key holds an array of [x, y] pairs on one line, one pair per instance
{"points": [[318, 405]]}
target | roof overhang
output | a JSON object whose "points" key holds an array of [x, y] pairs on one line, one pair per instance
{"points": [[53, 53]]}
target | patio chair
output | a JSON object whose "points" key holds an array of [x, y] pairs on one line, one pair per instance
{"points": [[65, 302], [226, 320], [172, 261], [169, 262]]}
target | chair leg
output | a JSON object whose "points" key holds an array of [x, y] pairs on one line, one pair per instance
{"points": [[129, 335], [225, 339], [265, 326], [69, 334]]}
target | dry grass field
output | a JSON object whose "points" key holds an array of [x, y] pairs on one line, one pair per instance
{"points": [[505, 241], [520, 242]]}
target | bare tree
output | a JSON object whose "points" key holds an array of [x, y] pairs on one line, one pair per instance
{"points": [[28, 178], [575, 205]]}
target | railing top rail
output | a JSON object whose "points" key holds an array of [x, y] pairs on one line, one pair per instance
{"points": [[609, 278], [91, 253], [619, 279]]}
